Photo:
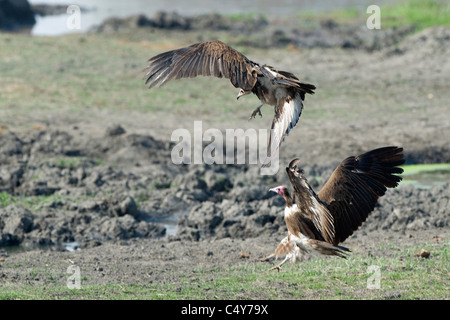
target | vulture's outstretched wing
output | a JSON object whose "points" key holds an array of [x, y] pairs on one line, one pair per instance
{"points": [[310, 207], [355, 186], [212, 58]]}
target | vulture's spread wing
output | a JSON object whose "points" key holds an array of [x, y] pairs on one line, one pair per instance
{"points": [[355, 186], [212, 58]]}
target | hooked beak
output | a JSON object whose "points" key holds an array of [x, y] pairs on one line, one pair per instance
{"points": [[241, 93], [273, 190]]}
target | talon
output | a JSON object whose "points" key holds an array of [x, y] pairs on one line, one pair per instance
{"points": [[265, 259], [255, 112], [278, 267]]}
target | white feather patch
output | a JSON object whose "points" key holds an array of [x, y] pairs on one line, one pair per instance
{"points": [[292, 110]]}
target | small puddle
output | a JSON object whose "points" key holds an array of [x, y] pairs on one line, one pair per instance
{"points": [[169, 222], [425, 176], [64, 246]]}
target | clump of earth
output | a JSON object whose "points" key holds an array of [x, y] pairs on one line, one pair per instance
{"points": [[120, 185]]}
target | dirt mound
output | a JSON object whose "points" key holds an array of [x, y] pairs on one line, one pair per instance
{"points": [[435, 40], [262, 32], [69, 186], [175, 21], [405, 209], [329, 34], [60, 184]]}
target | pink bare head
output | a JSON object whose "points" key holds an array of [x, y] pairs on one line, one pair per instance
{"points": [[280, 190]]}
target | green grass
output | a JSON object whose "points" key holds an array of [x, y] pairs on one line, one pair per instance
{"points": [[37, 203], [5, 199], [76, 75], [426, 175], [30, 202], [244, 17], [341, 16], [403, 276], [419, 13], [413, 169], [85, 74], [67, 163]]}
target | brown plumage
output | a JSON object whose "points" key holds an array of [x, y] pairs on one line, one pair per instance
{"points": [[280, 89], [319, 222]]}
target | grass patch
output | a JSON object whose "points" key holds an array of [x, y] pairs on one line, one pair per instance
{"points": [[76, 77], [413, 169], [39, 202], [245, 17], [32, 203], [72, 74], [420, 13], [5, 199], [341, 16], [402, 276], [426, 175], [67, 163]]}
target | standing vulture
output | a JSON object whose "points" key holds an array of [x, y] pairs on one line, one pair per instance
{"points": [[280, 89], [317, 223]]}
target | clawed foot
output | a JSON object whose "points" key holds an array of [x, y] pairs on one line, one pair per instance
{"points": [[270, 257], [278, 267], [266, 258], [255, 112]]}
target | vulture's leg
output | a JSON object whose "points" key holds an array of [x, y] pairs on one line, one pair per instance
{"points": [[278, 266], [267, 258], [256, 111]]}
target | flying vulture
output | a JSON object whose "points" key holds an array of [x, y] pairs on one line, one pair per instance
{"points": [[317, 223], [280, 89]]}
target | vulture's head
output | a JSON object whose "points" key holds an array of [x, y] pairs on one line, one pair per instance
{"points": [[281, 190]]}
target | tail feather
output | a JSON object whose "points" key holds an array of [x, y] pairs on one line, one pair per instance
{"points": [[326, 248]]}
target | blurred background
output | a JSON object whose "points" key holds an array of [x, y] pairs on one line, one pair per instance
{"points": [[96, 11]]}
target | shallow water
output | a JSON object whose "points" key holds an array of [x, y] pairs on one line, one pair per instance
{"points": [[65, 246], [427, 175], [99, 10], [169, 222]]}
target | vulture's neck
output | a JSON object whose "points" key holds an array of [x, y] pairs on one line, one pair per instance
{"points": [[305, 194], [288, 198]]}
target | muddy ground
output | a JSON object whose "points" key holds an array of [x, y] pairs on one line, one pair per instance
{"points": [[110, 189]]}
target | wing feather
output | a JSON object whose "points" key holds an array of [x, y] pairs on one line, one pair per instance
{"points": [[310, 208], [287, 113], [212, 58]]}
